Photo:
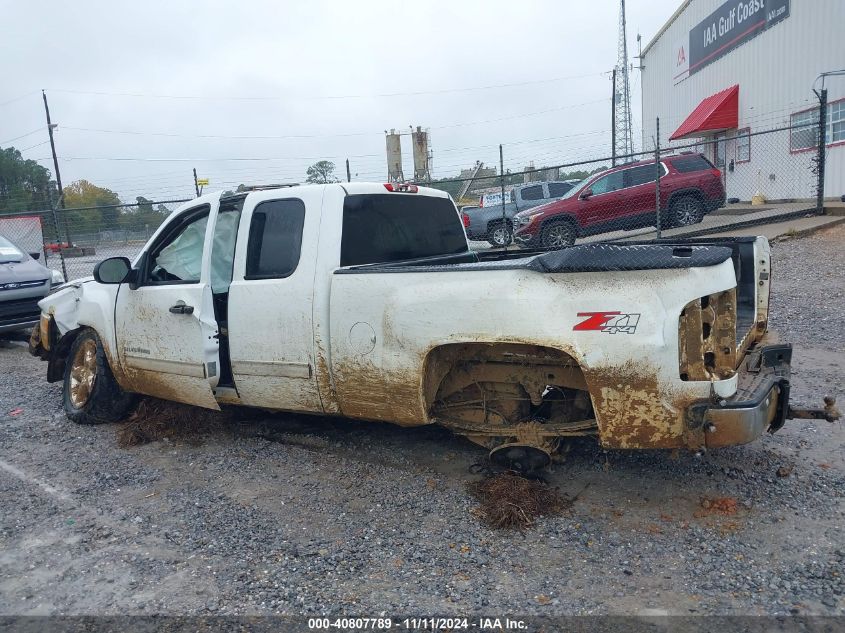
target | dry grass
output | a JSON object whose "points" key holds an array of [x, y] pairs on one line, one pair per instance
{"points": [[155, 419], [510, 501]]}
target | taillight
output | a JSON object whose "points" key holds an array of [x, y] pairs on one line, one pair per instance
{"points": [[466, 220], [401, 187]]}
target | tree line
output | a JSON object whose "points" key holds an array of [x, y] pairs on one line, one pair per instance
{"points": [[27, 186]]}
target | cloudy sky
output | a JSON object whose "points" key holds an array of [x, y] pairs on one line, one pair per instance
{"points": [[254, 91]]}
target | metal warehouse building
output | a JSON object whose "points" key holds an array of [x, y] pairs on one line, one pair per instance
{"points": [[724, 74]]}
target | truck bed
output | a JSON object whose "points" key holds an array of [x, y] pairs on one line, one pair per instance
{"points": [[600, 257]]}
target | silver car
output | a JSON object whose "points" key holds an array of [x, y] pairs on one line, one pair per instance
{"points": [[23, 283]]}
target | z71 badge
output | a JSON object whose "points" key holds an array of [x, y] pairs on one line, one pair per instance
{"points": [[608, 322]]}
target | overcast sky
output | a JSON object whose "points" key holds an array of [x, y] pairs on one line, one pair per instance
{"points": [[318, 80]]}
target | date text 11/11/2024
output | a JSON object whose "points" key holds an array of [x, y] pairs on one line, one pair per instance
{"points": [[417, 624]]}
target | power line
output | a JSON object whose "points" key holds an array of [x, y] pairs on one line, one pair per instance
{"points": [[2, 103], [325, 97], [22, 135]]}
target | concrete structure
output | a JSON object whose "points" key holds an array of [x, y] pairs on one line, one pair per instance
{"points": [[422, 155], [394, 157], [771, 51]]}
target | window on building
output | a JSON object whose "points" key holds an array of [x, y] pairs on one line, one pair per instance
{"points": [[275, 239], [804, 126], [836, 122], [743, 146]]}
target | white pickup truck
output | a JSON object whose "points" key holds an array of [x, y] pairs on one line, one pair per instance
{"points": [[364, 300]]}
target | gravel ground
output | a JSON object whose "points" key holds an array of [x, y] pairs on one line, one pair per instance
{"points": [[297, 515]]}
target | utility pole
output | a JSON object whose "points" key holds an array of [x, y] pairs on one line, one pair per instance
{"points": [[613, 121], [196, 184], [50, 127], [502, 181], [348, 173]]}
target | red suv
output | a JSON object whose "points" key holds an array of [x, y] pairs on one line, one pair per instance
{"points": [[622, 198]]}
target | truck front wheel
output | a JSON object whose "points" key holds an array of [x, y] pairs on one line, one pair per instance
{"points": [[91, 395]]}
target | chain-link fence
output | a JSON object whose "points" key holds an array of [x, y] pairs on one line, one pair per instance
{"points": [[678, 189], [74, 240]]}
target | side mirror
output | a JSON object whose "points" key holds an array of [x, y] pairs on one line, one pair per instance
{"points": [[585, 194], [35, 255], [113, 270]]}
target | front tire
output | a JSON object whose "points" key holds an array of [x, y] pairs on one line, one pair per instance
{"points": [[91, 394], [558, 235]]}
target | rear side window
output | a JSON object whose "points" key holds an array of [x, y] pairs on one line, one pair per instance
{"points": [[557, 189], [686, 164], [381, 228], [533, 193], [275, 239], [640, 175]]}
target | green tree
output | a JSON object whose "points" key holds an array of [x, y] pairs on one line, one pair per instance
{"points": [[24, 184], [100, 213], [321, 172]]}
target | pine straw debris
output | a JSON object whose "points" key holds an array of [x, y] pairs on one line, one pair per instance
{"points": [[510, 501], [155, 420]]}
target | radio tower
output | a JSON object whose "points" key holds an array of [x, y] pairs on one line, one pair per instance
{"points": [[623, 135]]}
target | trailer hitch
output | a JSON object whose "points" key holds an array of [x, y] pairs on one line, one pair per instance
{"points": [[829, 412]]}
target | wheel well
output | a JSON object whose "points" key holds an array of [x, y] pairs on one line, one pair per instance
{"points": [[559, 219], [59, 354], [686, 193], [488, 388], [492, 224]]}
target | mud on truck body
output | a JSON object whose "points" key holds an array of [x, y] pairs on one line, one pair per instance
{"points": [[364, 300]]}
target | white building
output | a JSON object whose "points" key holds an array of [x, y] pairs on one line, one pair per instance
{"points": [[726, 71]]}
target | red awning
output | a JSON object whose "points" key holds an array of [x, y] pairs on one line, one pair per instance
{"points": [[716, 113]]}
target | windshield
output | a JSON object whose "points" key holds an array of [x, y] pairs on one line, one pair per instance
{"points": [[9, 252]]}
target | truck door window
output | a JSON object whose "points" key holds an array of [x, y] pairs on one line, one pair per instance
{"points": [[223, 249], [177, 258], [381, 228], [275, 239], [532, 193]]}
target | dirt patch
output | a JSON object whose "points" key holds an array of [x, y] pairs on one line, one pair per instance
{"points": [[509, 501], [155, 420], [718, 505]]}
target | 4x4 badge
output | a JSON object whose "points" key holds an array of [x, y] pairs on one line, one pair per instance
{"points": [[608, 322]]}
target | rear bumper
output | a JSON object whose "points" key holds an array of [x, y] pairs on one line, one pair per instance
{"points": [[760, 404]]}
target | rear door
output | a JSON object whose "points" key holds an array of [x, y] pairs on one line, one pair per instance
{"points": [[166, 328], [637, 204], [271, 299]]}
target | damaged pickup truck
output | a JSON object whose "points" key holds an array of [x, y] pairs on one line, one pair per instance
{"points": [[364, 300]]}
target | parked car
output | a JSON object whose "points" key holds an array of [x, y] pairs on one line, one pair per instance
{"points": [[55, 247], [23, 283], [364, 300], [486, 222], [623, 198]]}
